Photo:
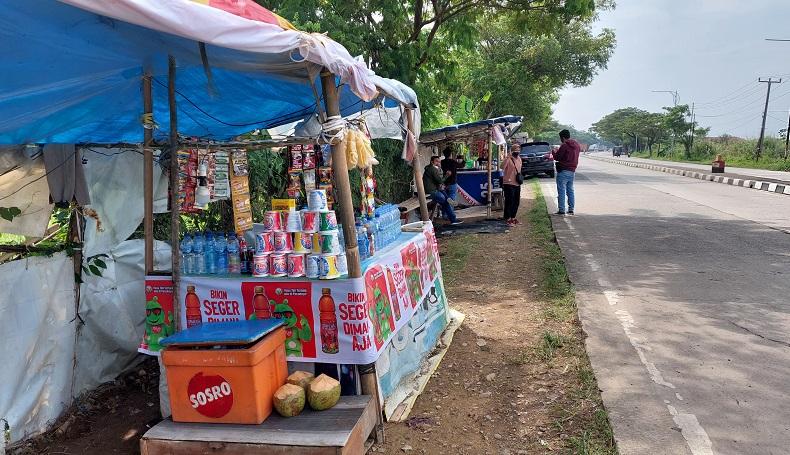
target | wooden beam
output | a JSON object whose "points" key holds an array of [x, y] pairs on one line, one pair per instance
{"points": [[417, 171], [175, 220], [148, 177], [345, 209]]}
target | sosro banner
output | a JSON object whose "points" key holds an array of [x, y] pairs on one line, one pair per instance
{"points": [[335, 321]]}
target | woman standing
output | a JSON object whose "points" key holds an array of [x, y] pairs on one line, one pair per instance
{"points": [[511, 184]]}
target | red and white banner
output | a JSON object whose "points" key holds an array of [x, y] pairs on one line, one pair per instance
{"points": [[336, 321]]}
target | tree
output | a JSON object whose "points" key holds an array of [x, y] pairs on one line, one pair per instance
{"points": [[550, 134], [681, 129], [620, 126], [423, 43]]}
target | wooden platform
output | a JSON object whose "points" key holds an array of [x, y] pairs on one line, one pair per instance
{"points": [[344, 429]]}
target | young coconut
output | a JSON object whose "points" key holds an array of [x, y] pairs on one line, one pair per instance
{"points": [[289, 400], [323, 393], [301, 378]]}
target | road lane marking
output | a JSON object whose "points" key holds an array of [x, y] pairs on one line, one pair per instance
{"points": [[696, 437]]}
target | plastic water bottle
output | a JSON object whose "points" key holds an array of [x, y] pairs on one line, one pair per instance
{"points": [[198, 249], [362, 241], [210, 254], [234, 261], [186, 255], [221, 248], [371, 231]]}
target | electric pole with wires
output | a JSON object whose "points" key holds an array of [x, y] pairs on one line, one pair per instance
{"points": [[770, 82]]}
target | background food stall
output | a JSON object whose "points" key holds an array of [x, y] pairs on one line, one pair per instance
{"points": [[483, 144]]}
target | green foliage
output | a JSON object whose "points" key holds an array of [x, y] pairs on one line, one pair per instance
{"points": [[9, 213], [550, 133]]}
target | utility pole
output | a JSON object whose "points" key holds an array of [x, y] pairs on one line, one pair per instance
{"points": [[693, 127], [787, 135], [674, 93], [770, 82]]}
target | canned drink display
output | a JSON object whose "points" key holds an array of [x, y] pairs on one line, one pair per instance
{"points": [[330, 243], [316, 200], [309, 221], [303, 242], [283, 242], [296, 266], [292, 221], [313, 266], [278, 265], [260, 265], [342, 264], [328, 268], [272, 220], [327, 221], [263, 243]]}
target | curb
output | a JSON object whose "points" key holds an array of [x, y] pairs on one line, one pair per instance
{"points": [[771, 187]]}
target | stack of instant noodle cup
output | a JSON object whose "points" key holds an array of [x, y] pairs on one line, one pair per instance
{"points": [[301, 243]]}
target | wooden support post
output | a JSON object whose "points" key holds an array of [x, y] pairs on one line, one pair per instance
{"points": [[417, 170], [175, 220], [148, 176], [342, 184], [490, 186]]}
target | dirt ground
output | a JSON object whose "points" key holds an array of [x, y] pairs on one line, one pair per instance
{"points": [[515, 380]]}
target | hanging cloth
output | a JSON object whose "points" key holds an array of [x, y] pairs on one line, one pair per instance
{"points": [[65, 176]]}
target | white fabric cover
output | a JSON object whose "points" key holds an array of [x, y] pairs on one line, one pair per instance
{"points": [[18, 169]]}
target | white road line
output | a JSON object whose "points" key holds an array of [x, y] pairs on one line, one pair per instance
{"points": [[627, 321], [696, 437], [612, 297]]}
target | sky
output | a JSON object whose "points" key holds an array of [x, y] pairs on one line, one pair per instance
{"points": [[711, 51]]}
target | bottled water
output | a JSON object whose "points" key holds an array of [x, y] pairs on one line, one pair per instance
{"points": [[362, 241], [186, 255], [210, 254], [221, 248], [234, 261], [198, 250], [371, 231]]}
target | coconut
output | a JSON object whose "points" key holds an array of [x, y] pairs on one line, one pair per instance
{"points": [[300, 378], [289, 400], [323, 392]]}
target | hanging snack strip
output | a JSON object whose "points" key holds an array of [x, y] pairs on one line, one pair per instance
{"points": [[325, 175], [308, 166], [187, 180], [294, 188], [240, 191], [368, 193], [221, 176]]}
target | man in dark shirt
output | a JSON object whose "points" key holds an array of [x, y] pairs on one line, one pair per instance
{"points": [[450, 170], [566, 159]]}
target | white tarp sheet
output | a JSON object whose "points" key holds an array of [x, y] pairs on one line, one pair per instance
{"points": [[23, 185], [37, 351]]}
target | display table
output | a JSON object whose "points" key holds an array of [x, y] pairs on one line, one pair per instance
{"points": [[344, 429], [473, 185]]}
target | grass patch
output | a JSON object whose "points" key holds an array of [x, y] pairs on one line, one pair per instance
{"points": [[595, 437], [456, 251]]}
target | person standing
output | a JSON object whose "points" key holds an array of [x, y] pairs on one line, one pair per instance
{"points": [[433, 182], [450, 169], [511, 185], [567, 159]]}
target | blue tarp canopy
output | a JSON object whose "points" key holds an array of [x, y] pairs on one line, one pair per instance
{"points": [[69, 75], [464, 131]]}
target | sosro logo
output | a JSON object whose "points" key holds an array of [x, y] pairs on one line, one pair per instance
{"points": [[211, 396]]}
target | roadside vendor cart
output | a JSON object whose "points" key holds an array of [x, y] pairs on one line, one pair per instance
{"points": [[178, 77], [484, 142]]}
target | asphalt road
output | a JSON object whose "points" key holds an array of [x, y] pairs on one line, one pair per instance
{"points": [[683, 291]]}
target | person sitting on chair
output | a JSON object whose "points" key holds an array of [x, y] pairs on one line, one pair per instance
{"points": [[433, 182]]}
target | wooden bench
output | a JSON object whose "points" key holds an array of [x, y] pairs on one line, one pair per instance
{"points": [[344, 429]]}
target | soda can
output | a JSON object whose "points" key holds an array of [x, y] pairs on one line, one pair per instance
{"points": [[273, 221], [303, 242], [278, 265], [309, 221], [316, 200], [328, 269], [342, 264], [327, 221], [330, 243], [296, 267], [263, 243], [260, 265], [313, 266], [283, 242]]}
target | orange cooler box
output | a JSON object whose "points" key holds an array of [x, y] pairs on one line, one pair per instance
{"points": [[225, 372]]}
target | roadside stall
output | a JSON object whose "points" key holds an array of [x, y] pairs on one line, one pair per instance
{"points": [[363, 295], [482, 145]]}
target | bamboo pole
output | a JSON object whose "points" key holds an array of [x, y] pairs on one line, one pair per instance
{"points": [[148, 177], [343, 186], [490, 186], [417, 170], [175, 220]]}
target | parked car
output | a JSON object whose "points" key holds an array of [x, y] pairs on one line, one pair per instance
{"points": [[536, 158]]}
